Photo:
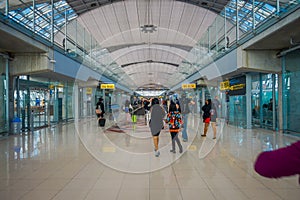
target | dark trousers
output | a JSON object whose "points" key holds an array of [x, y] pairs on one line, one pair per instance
{"points": [[174, 136]]}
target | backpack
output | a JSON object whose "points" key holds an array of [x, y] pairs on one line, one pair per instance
{"points": [[174, 120]]}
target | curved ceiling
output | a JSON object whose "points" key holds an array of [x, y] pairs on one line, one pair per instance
{"points": [[149, 37], [139, 39]]}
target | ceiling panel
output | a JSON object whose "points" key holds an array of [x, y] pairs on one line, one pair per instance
{"points": [[117, 26]]}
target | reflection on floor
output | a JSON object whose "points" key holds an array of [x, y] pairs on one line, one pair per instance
{"points": [[83, 161]]}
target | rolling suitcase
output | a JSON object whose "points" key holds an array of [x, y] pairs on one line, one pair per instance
{"points": [[101, 122]]}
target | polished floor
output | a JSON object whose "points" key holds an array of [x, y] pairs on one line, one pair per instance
{"points": [[85, 162]]}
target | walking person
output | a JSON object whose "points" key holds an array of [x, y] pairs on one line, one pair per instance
{"points": [[156, 123], [206, 116], [216, 103], [174, 121], [213, 119], [185, 110], [100, 112], [100, 108]]}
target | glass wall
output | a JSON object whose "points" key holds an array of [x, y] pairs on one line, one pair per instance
{"points": [[237, 111], [264, 98], [41, 102], [3, 99], [291, 92]]}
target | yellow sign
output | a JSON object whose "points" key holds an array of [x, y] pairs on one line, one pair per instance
{"points": [[89, 90], [237, 87], [107, 86], [224, 85], [189, 85]]}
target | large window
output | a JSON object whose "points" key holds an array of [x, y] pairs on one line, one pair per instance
{"points": [[291, 84], [264, 89], [3, 99]]}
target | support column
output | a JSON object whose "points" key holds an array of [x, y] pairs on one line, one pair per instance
{"points": [[203, 97], [274, 101], [261, 115], [76, 102], [248, 102], [284, 95], [6, 7], [7, 92], [237, 23], [280, 102]]}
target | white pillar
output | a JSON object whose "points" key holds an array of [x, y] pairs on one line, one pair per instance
{"points": [[76, 102], [248, 102]]}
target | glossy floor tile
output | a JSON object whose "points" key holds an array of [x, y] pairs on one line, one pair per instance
{"points": [[86, 162]]}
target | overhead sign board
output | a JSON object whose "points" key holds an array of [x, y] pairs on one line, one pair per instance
{"points": [[224, 85], [189, 86], [89, 91], [234, 86], [107, 86]]}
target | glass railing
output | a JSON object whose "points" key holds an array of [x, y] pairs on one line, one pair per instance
{"points": [[224, 34], [57, 24]]}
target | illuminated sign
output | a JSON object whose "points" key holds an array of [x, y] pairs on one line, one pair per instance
{"points": [[107, 86], [188, 86], [224, 85], [89, 90], [235, 86]]}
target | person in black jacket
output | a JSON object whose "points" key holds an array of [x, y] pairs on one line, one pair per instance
{"points": [[206, 116], [100, 105]]}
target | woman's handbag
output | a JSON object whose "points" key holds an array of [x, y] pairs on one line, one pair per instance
{"points": [[98, 111]]}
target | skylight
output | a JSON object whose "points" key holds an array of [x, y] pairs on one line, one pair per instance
{"points": [[40, 21], [245, 16]]}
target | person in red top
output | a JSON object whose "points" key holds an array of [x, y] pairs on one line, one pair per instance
{"points": [[174, 120], [280, 162]]}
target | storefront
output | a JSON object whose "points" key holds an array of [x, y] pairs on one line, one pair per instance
{"points": [[264, 100], [291, 92], [38, 103], [4, 125]]}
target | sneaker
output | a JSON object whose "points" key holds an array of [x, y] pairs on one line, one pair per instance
{"points": [[156, 153], [214, 138], [184, 140], [172, 151], [180, 151], [203, 135]]}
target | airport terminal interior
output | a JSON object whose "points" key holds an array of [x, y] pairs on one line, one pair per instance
{"points": [[60, 59]]}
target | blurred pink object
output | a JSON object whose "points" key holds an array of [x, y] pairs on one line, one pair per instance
{"points": [[278, 163]]}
